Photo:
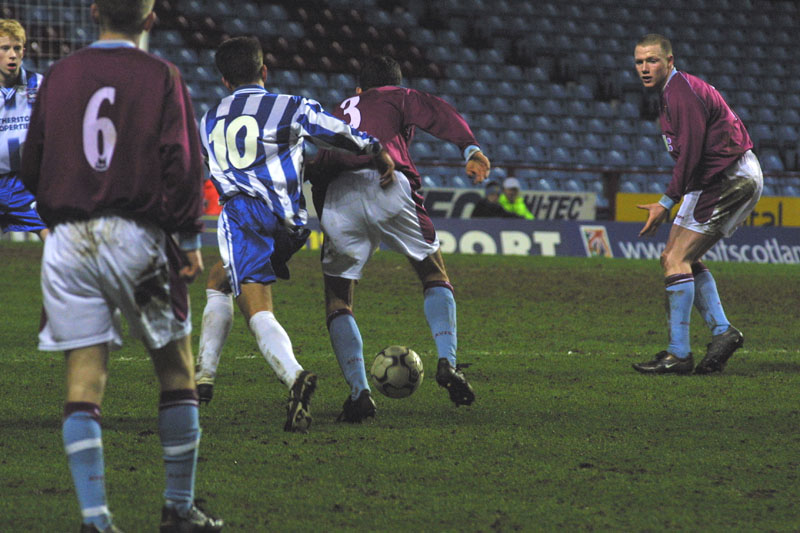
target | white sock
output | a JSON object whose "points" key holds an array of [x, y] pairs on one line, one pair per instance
{"points": [[275, 346], [217, 324]]}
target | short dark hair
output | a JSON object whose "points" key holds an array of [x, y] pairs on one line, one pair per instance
{"points": [[379, 71], [656, 38], [239, 60], [126, 16]]}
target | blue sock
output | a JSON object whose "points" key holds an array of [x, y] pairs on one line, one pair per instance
{"points": [[84, 448], [349, 350], [440, 310], [680, 296], [706, 299], [179, 429]]}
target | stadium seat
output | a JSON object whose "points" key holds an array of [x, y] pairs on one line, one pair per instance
{"points": [[629, 187], [770, 160], [542, 139], [431, 181], [534, 154], [566, 139], [587, 157], [543, 184]]}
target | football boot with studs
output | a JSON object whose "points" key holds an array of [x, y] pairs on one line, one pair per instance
{"points": [[298, 407], [666, 363], [720, 350], [196, 520], [355, 411], [455, 382]]}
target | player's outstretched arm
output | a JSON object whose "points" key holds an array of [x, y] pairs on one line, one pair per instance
{"points": [[478, 167], [657, 215], [385, 165], [195, 267]]}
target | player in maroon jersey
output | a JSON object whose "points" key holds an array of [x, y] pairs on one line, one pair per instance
{"points": [[358, 211], [113, 158], [719, 179]]}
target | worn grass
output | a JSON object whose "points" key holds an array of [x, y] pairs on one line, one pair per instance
{"points": [[564, 434]]}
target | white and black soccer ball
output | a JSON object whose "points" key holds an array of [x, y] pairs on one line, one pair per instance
{"points": [[397, 371]]}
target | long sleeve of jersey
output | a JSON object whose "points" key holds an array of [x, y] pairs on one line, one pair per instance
{"points": [[688, 118], [182, 168]]}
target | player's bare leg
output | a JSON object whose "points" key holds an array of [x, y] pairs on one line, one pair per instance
{"points": [[217, 324], [684, 248], [348, 348], [255, 302], [440, 311], [690, 246]]}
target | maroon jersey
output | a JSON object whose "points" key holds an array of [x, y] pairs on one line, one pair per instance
{"points": [[391, 114], [702, 133], [113, 132]]}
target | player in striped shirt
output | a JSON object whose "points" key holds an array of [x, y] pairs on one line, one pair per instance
{"points": [[359, 210], [253, 140], [19, 88], [719, 179]]}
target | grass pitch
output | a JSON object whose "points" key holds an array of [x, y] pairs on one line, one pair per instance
{"points": [[564, 435]]}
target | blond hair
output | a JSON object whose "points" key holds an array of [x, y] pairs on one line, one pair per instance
{"points": [[13, 29], [656, 39]]}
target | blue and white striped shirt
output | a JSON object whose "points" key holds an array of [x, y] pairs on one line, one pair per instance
{"points": [[253, 141], [15, 115]]}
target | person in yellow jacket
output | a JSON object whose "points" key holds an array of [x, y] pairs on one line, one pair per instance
{"points": [[512, 201]]}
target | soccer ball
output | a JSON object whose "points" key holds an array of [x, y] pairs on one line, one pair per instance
{"points": [[397, 371]]}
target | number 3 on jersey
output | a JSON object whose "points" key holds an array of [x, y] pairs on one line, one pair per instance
{"points": [[349, 108], [224, 138]]}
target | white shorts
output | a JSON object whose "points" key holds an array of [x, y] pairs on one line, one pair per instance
{"points": [[721, 208], [90, 268], [359, 215]]}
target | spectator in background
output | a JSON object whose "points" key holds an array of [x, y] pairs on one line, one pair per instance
{"points": [[489, 207], [512, 201], [719, 179]]}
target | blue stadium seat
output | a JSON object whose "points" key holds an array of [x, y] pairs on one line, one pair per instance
{"points": [[314, 79], [587, 157], [431, 181], [642, 158], [541, 139], [571, 124], [566, 139], [534, 154], [421, 150], [460, 71], [770, 160], [629, 187], [427, 85], [551, 106], [561, 155], [545, 123], [504, 153], [498, 173], [613, 158], [460, 181], [514, 138], [543, 184], [526, 106], [595, 141]]}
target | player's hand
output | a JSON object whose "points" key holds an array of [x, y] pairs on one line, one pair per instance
{"points": [[657, 215], [190, 272], [385, 165], [478, 167]]}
